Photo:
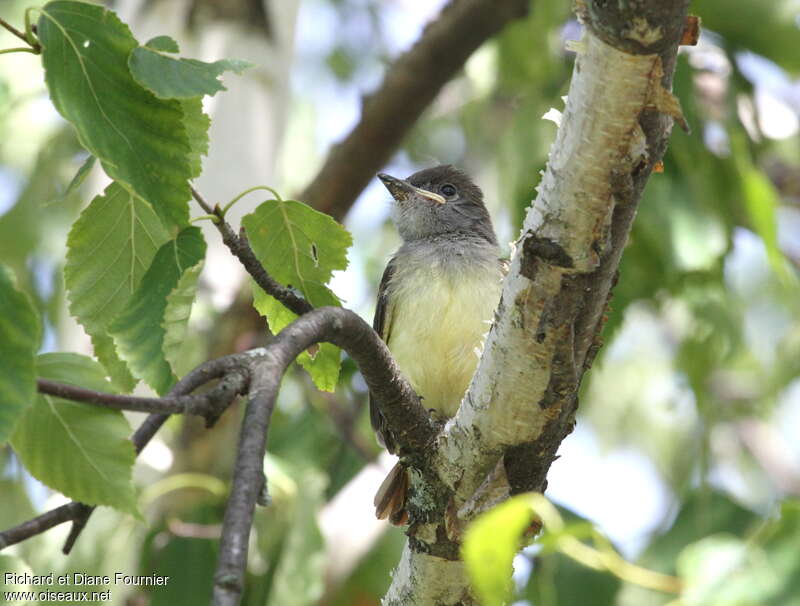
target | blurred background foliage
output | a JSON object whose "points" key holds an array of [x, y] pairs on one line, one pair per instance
{"points": [[687, 439]]}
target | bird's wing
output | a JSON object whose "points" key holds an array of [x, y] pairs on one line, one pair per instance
{"points": [[382, 323]]}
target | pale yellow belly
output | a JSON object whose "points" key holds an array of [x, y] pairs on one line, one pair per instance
{"points": [[438, 350]]}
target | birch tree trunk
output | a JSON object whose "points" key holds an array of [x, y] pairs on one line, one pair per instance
{"points": [[523, 398]]}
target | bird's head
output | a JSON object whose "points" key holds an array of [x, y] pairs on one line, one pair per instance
{"points": [[437, 201]]}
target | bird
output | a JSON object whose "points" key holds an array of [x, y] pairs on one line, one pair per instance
{"points": [[436, 300]]}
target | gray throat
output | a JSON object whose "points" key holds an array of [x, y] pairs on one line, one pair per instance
{"points": [[451, 254]]}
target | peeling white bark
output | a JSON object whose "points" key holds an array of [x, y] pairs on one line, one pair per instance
{"points": [[422, 580], [599, 138]]}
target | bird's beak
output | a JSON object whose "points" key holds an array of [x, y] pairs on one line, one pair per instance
{"points": [[402, 190]]}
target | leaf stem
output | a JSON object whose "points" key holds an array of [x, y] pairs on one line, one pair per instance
{"points": [[602, 556], [213, 218], [247, 191], [19, 49], [30, 37]]}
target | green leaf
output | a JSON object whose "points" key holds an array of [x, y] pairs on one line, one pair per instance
{"points": [[140, 140], [302, 248], [20, 331], [80, 450], [139, 331], [324, 365], [490, 544], [106, 352], [109, 249], [197, 124], [163, 43], [176, 316], [170, 78]]}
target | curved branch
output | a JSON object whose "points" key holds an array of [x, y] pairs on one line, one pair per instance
{"points": [[204, 404], [408, 420], [409, 86]]}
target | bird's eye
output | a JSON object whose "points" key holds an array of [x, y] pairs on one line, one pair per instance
{"points": [[448, 190]]}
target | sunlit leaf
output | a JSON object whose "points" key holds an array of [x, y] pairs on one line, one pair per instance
{"points": [[171, 78], [139, 139], [81, 450], [300, 247], [19, 339], [197, 124], [163, 43], [490, 544], [139, 330]]}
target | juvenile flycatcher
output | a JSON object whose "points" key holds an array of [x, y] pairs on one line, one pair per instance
{"points": [[435, 300]]}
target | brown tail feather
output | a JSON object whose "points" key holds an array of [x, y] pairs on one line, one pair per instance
{"points": [[390, 500]]}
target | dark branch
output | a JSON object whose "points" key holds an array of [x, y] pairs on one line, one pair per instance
{"points": [[240, 248], [408, 421], [199, 404], [40, 524], [409, 86], [14, 30]]}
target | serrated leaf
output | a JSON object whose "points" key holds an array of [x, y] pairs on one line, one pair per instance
{"points": [[302, 248], [197, 124], [80, 450], [297, 244], [163, 43], [106, 352], [20, 330], [171, 78], [139, 139], [176, 315], [138, 332], [490, 544], [109, 249]]}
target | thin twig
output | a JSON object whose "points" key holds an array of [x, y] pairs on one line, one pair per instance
{"points": [[13, 30], [39, 524], [116, 401]]}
